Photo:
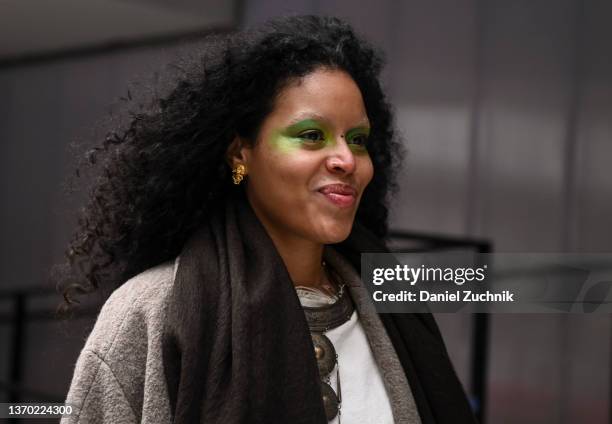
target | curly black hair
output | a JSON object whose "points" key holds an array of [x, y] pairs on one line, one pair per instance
{"points": [[160, 175]]}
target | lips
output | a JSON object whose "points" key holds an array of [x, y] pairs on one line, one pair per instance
{"points": [[342, 195]]}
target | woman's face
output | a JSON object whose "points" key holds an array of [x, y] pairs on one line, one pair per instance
{"points": [[309, 166]]}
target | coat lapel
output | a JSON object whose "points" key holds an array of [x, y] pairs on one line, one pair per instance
{"points": [[437, 391]]}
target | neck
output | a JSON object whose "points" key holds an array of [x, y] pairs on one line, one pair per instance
{"points": [[302, 257], [303, 260]]}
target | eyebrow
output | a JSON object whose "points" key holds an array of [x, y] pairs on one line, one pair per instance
{"points": [[305, 116], [364, 123]]}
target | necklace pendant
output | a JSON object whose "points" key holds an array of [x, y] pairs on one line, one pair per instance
{"points": [[325, 353], [331, 403]]}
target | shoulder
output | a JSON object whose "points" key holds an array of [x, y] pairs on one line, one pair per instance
{"points": [[147, 285], [134, 309], [124, 350]]}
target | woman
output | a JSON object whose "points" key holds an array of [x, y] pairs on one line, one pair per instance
{"points": [[237, 209]]}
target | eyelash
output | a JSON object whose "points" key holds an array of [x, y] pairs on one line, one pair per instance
{"points": [[304, 135], [364, 137]]}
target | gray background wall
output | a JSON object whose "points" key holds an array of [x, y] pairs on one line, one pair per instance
{"points": [[506, 109]]}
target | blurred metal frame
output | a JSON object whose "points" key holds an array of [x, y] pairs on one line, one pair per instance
{"points": [[480, 321]]}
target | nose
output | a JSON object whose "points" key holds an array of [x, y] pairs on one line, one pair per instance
{"points": [[341, 158]]}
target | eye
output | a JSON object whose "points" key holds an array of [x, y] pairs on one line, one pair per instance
{"points": [[312, 136], [359, 140]]}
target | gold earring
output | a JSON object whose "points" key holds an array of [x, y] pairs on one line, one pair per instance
{"points": [[238, 173]]}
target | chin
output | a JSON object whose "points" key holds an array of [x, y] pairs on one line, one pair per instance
{"points": [[335, 232]]}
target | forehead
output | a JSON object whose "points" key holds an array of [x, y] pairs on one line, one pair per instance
{"points": [[328, 94]]}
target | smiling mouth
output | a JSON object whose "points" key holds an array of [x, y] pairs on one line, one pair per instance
{"points": [[341, 195]]}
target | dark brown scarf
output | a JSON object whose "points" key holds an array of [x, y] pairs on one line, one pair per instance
{"points": [[237, 348]]}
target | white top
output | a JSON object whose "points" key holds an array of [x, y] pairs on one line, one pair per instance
{"points": [[364, 397]]}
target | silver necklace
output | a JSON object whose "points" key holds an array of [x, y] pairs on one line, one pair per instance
{"points": [[320, 320]]}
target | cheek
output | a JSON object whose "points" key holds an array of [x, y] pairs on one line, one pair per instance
{"points": [[290, 170], [366, 171], [283, 175]]}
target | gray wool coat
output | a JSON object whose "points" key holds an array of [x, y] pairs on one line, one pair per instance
{"points": [[120, 377]]}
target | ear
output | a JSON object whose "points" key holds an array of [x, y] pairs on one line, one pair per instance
{"points": [[238, 152]]}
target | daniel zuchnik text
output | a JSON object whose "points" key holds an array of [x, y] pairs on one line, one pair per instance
{"points": [[457, 296]]}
